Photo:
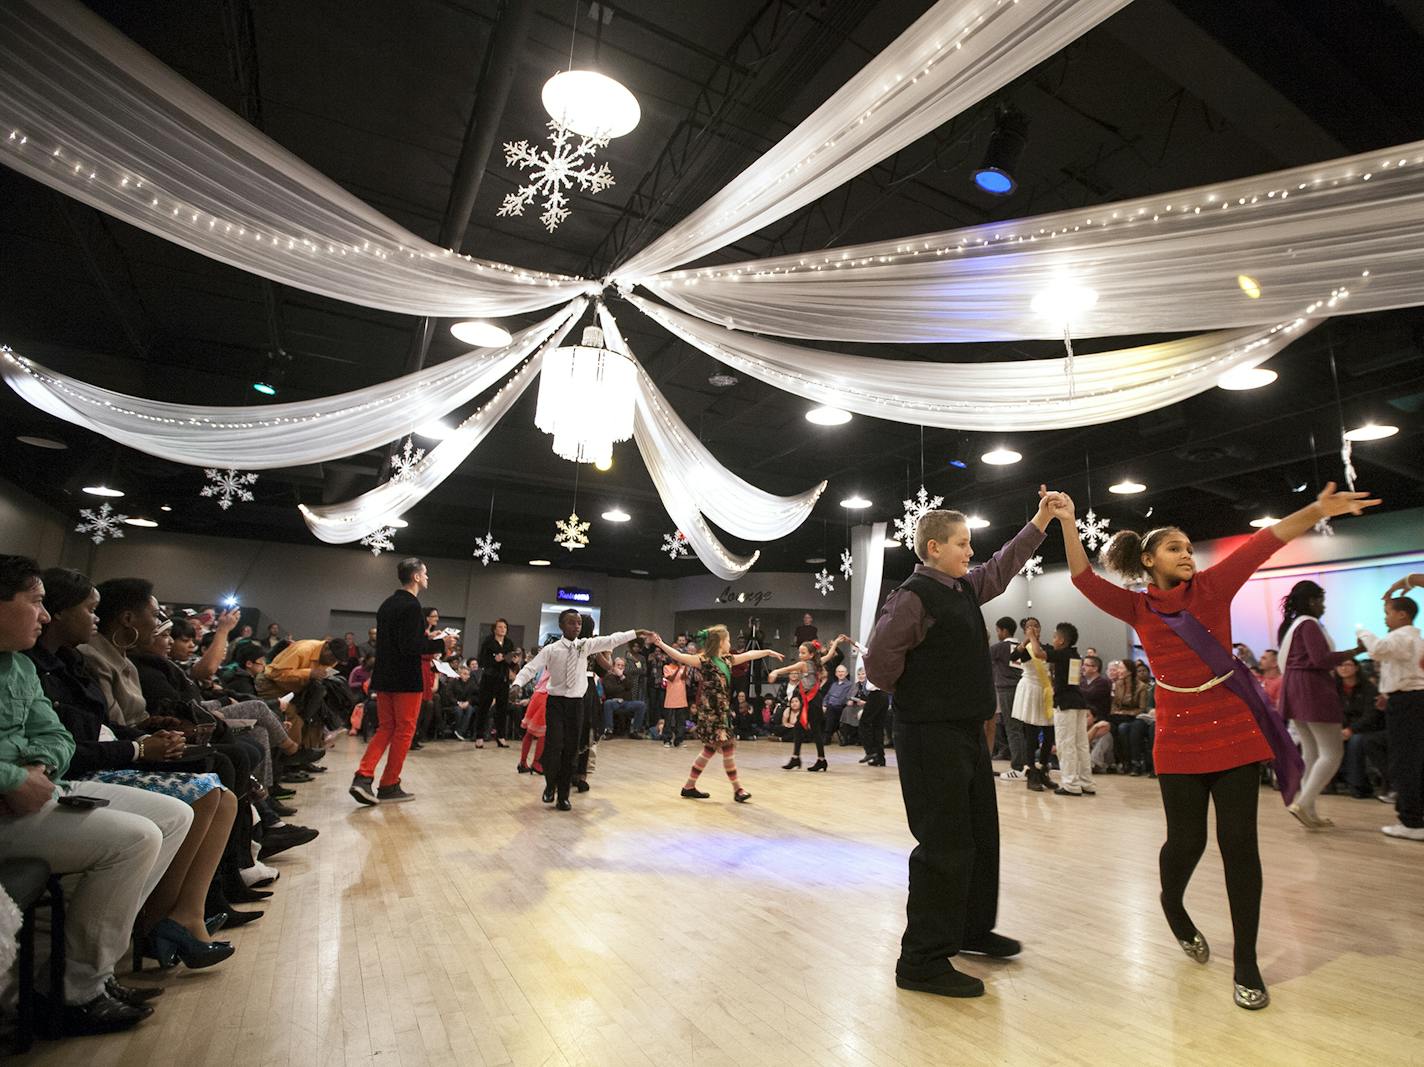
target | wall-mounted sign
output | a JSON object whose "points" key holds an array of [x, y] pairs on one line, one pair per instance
{"points": [[727, 596], [568, 594]]}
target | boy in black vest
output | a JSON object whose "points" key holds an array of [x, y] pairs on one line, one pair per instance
{"points": [[930, 648]]}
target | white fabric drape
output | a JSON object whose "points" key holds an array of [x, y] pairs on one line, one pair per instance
{"points": [[867, 549], [353, 519], [1332, 238], [261, 437], [956, 54], [1023, 395], [86, 111]]}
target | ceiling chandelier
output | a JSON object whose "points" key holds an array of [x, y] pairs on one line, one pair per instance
{"points": [[586, 394]]}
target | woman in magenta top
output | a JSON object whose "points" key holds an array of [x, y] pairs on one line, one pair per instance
{"points": [[1309, 696], [1207, 744]]}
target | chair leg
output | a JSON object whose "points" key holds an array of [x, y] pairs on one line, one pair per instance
{"points": [[56, 955], [25, 1032]]}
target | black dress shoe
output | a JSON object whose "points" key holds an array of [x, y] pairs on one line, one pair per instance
{"points": [[582, 785], [239, 918], [102, 1015], [276, 842], [564, 805], [245, 895], [548, 796], [295, 777], [278, 792], [951, 983], [281, 809], [996, 945], [695, 794], [133, 996]]}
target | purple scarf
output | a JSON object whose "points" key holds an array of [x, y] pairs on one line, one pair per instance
{"points": [[1288, 765]]}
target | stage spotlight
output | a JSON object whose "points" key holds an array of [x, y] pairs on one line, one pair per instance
{"points": [[1006, 146]]}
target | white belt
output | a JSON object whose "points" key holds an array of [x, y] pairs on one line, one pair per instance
{"points": [[1196, 688]]}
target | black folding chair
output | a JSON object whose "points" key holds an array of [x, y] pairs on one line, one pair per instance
{"points": [[31, 885]]}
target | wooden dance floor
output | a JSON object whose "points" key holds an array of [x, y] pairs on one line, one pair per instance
{"points": [[478, 926]]}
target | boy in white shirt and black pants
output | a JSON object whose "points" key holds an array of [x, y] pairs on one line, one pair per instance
{"points": [[567, 663], [1398, 654]]}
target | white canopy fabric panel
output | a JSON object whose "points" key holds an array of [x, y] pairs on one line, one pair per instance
{"points": [[353, 519], [266, 436], [86, 111], [1023, 395], [1341, 237], [955, 55], [868, 568]]}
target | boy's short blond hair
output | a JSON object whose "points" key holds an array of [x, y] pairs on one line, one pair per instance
{"points": [[938, 526]]}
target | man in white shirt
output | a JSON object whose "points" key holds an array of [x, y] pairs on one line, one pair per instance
{"points": [[1398, 654], [567, 662]]}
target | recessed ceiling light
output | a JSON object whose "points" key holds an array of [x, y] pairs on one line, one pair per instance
{"points": [[1371, 431], [102, 490], [1001, 457], [815, 559], [538, 563], [135, 521], [41, 442], [616, 515], [1298, 488], [722, 380], [976, 522], [958, 463], [1127, 487], [855, 502], [164, 507], [480, 334], [604, 464], [890, 542], [436, 431], [824, 416], [264, 388], [1249, 285], [1246, 378], [399, 524], [1264, 521], [640, 573]]}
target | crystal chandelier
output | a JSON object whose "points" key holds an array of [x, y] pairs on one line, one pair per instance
{"points": [[586, 394]]}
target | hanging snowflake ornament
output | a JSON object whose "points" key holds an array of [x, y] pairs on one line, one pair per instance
{"points": [[847, 563], [405, 462], [675, 545], [1093, 530], [228, 486], [1032, 568], [825, 581], [554, 170], [487, 549], [101, 524], [915, 509], [572, 532], [381, 540]]}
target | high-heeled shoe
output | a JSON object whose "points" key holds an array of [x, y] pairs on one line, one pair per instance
{"points": [[214, 923], [819, 765], [168, 943], [1248, 998], [499, 743], [523, 768], [791, 764], [1196, 948]]}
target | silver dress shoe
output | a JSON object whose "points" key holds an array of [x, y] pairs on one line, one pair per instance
{"points": [[1196, 948], [1248, 998]]}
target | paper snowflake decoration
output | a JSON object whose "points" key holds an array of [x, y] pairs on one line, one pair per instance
{"points": [[847, 563], [379, 541], [487, 549], [572, 532], [675, 545], [825, 581], [554, 170], [1033, 568], [914, 509], [101, 524], [1093, 530], [227, 485], [405, 462]]}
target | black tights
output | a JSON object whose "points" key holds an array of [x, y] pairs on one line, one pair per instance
{"points": [[814, 729], [1185, 799]]}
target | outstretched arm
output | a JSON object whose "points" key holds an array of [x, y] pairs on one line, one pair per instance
{"points": [[1328, 505], [1113, 599], [687, 659], [1408, 582], [756, 653]]}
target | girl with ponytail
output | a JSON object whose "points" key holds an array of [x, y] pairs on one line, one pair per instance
{"points": [[1308, 694], [1214, 724], [713, 711], [811, 671]]}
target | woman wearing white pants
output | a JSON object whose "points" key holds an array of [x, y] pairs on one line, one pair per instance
{"points": [[1309, 695]]}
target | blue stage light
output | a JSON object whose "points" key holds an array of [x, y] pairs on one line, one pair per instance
{"points": [[993, 180]]}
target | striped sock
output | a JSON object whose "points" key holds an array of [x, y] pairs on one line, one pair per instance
{"points": [[699, 765]]}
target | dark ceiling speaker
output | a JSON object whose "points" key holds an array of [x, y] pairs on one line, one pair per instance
{"points": [[1001, 159]]}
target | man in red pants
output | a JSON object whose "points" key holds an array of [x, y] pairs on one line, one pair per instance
{"points": [[401, 639]]}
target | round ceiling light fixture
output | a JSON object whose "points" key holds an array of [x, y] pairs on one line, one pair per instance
{"points": [[1249, 285], [616, 515], [480, 334], [399, 524], [1246, 378], [435, 431], [591, 104], [1371, 431], [134, 520], [891, 542], [855, 502], [1001, 457], [1062, 303], [102, 490], [828, 416], [976, 522], [539, 563], [1127, 487], [41, 442], [1264, 521]]}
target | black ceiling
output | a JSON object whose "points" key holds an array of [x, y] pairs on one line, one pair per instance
{"points": [[378, 96]]}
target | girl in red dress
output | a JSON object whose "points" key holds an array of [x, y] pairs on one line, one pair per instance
{"points": [[1208, 743]]}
